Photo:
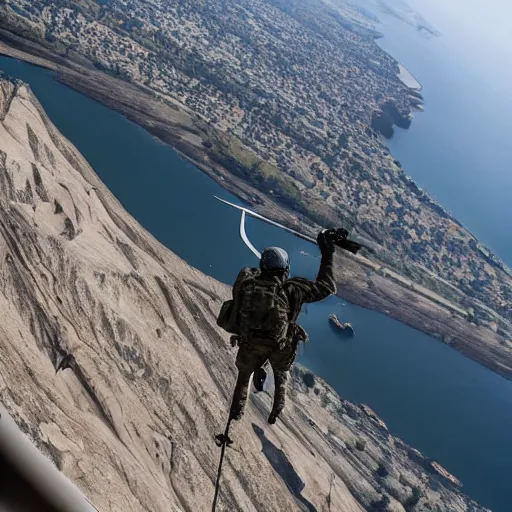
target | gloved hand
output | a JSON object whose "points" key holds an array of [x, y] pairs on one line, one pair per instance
{"points": [[341, 233], [325, 241]]}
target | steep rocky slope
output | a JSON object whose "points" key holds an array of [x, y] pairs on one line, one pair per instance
{"points": [[147, 375]]}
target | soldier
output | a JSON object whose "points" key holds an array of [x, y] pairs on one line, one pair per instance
{"points": [[266, 305]]}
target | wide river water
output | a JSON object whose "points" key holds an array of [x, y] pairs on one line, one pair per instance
{"points": [[445, 405]]}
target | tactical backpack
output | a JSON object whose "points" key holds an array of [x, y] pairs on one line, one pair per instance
{"points": [[259, 310]]}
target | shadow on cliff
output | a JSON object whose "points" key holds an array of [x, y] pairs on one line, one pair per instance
{"points": [[283, 467]]}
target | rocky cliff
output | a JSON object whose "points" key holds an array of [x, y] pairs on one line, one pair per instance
{"points": [[146, 376]]}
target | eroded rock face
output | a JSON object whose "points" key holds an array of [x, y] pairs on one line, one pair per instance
{"points": [[146, 376]]}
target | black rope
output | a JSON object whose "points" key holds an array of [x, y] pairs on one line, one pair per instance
{"points": [[222, 440]]}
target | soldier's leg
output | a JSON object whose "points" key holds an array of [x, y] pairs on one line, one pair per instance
{"points": [[248, 360], [280, 379], [240, 395], [281, 362]]}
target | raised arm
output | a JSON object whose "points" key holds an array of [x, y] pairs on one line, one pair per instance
{"points": [[305, 290]]}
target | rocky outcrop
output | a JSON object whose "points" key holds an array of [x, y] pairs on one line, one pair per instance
{"points": [[145, 376], [416, 99], [390, 115], [400, 117], [383, 124]]}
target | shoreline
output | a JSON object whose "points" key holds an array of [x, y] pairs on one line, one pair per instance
{"points": [[408, 78], [363, 282]]}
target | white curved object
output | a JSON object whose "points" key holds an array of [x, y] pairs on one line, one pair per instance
{"points": [[245, 238], [268, 221]]}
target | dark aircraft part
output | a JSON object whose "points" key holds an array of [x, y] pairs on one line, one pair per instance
{"points": [[29, 482]]}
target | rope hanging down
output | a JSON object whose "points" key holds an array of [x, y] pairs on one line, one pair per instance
{"points": [[222, 440]]}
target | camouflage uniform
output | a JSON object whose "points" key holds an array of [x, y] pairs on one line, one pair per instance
{"points": [[254, 353]]}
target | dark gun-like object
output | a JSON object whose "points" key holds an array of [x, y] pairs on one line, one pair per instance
{"points": [[340, 238]]}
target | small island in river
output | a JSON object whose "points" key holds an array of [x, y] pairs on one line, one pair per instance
{"points": [[344, 328]]}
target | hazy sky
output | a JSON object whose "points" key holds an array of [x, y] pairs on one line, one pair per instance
{"points": [[479, 32]]}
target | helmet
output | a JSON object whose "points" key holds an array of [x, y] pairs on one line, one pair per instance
{"points": [[274, 258]]}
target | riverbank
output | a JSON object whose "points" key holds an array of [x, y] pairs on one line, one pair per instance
{"points": [[362, 281]]}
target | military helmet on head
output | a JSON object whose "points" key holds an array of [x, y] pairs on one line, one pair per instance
{"points": [[274, 258]]}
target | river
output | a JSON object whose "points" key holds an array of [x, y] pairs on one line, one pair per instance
{"points": [[445, 405]]}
